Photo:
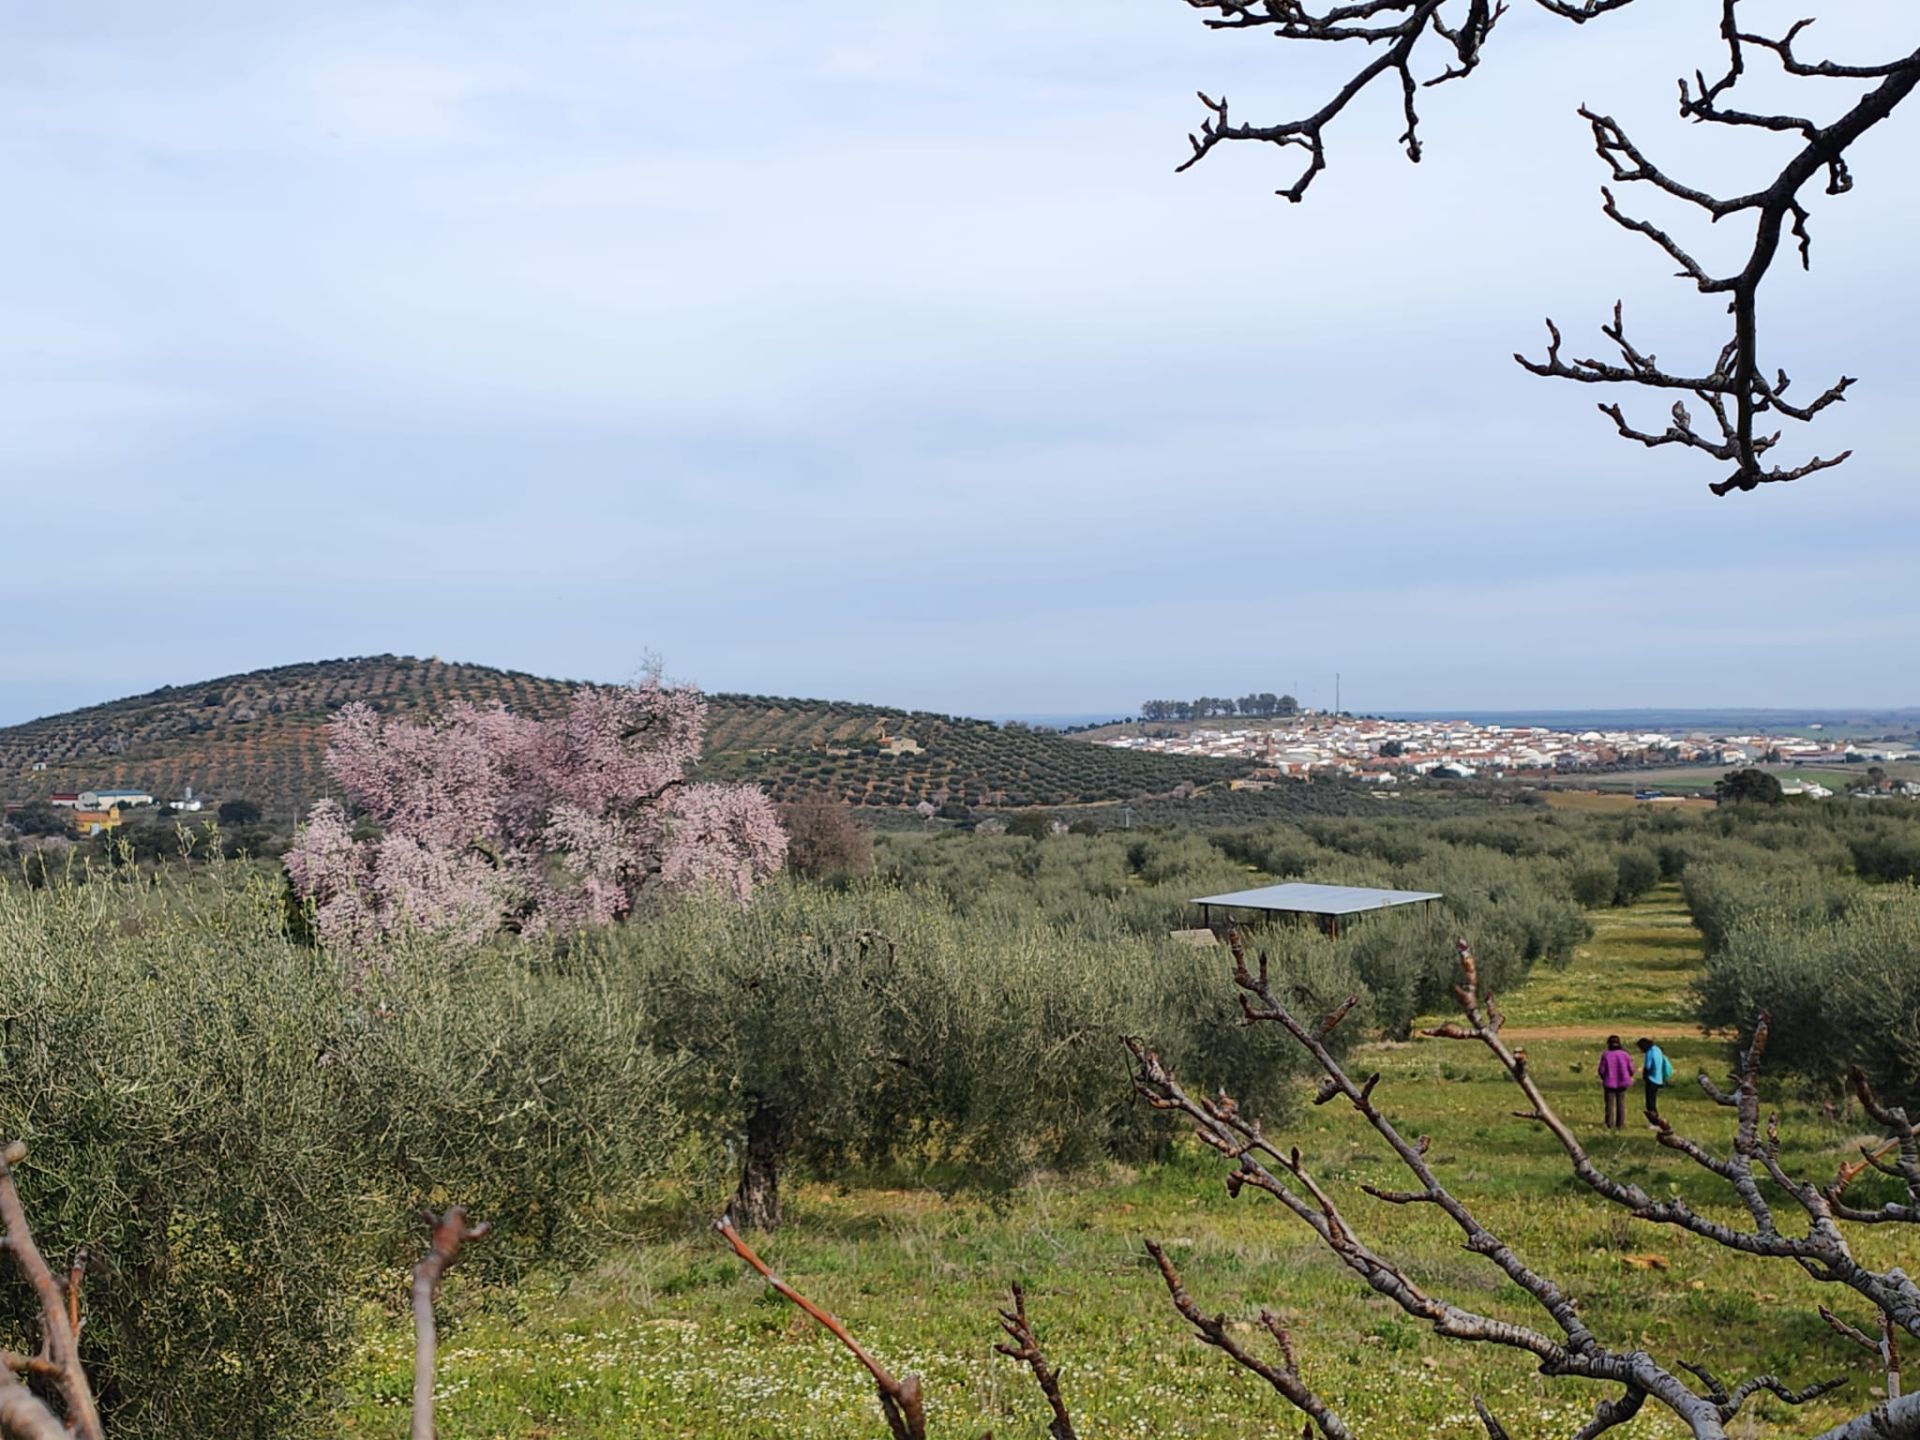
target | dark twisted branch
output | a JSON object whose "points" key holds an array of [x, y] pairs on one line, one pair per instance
{"points": [[1730, 1401], [1740, 398], [1903, 1142], [1609, 1413], [1886, 1349]]}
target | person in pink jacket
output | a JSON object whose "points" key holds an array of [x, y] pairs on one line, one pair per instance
{"points": [[1616, 1077]]}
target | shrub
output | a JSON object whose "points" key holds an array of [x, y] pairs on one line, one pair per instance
{"points": [[40, 818], [1277, 850], [162, 1068], [1887, 850], [1031, 825], [1748, 787], [825, 839], [1594, 882], [1740, 883], [1639, 871], [520, 1087], [1841, 991], [240, 1136], [238, 813]]}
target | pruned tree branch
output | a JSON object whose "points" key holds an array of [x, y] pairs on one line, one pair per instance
{"points": [[59, 1357], [1823, 1251], [1885, 1349], [1574, 1351], [1741, 398], [1902, 1143], [1025, 1348], [24, 1416], [1284, 1377], [450, 1233], [900, 1400]]}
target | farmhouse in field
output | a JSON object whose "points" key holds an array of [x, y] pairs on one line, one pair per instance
{"points": [[113, 799], [95, 811], [1327, 904]]}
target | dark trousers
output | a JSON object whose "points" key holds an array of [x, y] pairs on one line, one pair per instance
{"points": [[1616, 1108], [1653, 1100]]}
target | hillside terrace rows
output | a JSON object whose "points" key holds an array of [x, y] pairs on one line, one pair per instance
{"points": [[262, 736]]}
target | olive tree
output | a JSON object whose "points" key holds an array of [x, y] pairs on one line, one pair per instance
{"points": [[869, 1027]]}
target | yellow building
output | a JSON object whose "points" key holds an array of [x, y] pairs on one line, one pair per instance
{"points": [[95, 822]]}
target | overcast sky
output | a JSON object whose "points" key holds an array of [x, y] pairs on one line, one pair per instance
{"points": [[878, 353]]}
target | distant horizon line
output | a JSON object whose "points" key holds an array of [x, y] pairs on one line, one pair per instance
{"points": [[1061, 716]]}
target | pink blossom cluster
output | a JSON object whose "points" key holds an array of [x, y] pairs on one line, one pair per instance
{"points": [[488, 819]]}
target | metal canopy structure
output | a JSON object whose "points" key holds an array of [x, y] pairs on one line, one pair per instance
{"points": [[1327, 903]]}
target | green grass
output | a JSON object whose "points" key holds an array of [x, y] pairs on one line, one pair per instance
{"points": [[674, 1338]]}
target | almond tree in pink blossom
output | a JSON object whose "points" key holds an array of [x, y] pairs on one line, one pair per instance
{"points": [[487, 819]]}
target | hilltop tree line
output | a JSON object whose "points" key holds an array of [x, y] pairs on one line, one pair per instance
{"points": [[1206, 706]]}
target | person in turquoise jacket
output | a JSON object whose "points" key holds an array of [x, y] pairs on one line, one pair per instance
{"points": [[1658, 1070]]}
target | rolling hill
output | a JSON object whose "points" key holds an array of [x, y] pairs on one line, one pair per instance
{"points": [[262, 735]]}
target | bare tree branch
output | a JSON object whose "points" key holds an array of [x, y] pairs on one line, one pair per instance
{"points": [[1284, 1377], [59, 1344], [1220, 1124], [1258, 1163], [900, 1400], [1890, 1420], [24, 1416], [1823, 1252], [1609, 1413], [1903, 1140], [450, 1233], [1740, 395], [1025, 1348]]}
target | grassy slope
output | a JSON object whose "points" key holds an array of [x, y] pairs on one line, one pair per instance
{"points": [[674, 1339]]}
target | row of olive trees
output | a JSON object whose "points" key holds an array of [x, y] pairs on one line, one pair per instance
{"points": [[1785, 1218], [1811, 921], [867, 1027], [1519, 900]]}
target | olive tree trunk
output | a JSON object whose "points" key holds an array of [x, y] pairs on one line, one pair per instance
{"points": [[756, 1204]]}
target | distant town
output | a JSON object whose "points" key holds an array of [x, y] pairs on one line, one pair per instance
{"points": [[1382, 752]]}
